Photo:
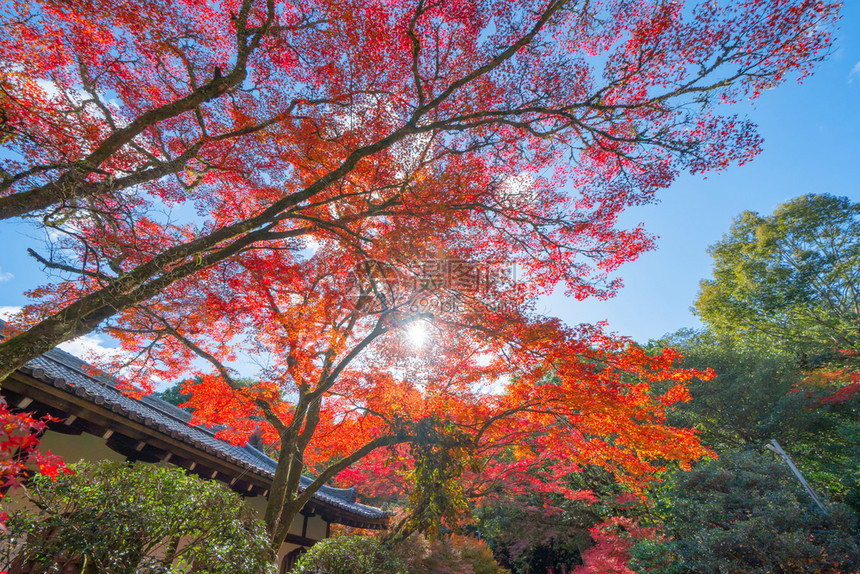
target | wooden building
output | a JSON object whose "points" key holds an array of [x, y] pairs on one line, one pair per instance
{"points": [[101, 423]]}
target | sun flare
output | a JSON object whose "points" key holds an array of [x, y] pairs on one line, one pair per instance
{"points": [[417, 334]]}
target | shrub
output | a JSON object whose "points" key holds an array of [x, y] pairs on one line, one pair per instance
{"points": [[117, 518], [613, 539], [415, 555], [746, 513], [349, 555], [451, 554]]}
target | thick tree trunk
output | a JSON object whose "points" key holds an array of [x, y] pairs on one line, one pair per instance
{"points": [[294, 500], [88, 312]]}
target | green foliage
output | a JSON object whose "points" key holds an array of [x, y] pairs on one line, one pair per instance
{"points": [[349, 555], [441, 455], [415, 555], [746, 513], [118, 518], [789, 280], [749, 402], [783, 312], [758, 396], [174, 395]]}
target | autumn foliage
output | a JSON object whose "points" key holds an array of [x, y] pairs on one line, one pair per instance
{"points": [[300, 184], [496, 398], [161, 139], [19, 451], [612, 541]]}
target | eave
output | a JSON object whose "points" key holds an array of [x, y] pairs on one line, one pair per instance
{"points": [[144, 438]]}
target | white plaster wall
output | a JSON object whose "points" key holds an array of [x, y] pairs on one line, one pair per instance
{"points": [[73, 448], [316, 528]]}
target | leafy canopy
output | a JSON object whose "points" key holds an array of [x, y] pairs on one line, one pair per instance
{"points": [[223, 178], [756, 396], [745, 512], [790, 280], [161, 142]]}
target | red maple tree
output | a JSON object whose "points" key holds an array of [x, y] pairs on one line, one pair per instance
{"points": [[511, 398], [189, 157], [19, 451], [158, 139]]}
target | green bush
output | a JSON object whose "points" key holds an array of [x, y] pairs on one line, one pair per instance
{"points": [[745, 512], [117, 518], [349, 555], [415, 555]]}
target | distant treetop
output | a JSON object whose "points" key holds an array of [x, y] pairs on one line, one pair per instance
{"points": [[789, 280]]}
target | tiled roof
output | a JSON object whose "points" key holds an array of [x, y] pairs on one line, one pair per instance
{"points": [[69, 373]]}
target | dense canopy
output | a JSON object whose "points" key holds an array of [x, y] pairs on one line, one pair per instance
{"points": [[301, 184], [791, 279]]}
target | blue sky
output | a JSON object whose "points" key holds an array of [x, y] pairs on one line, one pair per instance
{"points": [[812, 145]]}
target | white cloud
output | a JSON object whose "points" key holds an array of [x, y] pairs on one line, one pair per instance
{"points": [[854, 73], [89, 346], [7, 311], [5, 276], [84, 347]]}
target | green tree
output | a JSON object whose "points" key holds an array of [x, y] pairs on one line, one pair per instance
{"points": [[789, 280], [116, 518], [750, 400], [757, 396], [745, 513], [174, 395]]}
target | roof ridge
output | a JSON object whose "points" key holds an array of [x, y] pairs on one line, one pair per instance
{"points": [[149, 399]]}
